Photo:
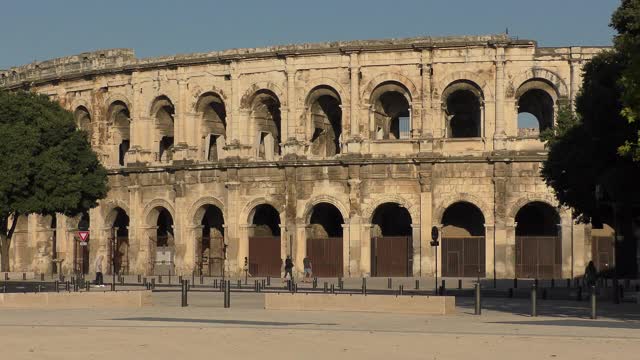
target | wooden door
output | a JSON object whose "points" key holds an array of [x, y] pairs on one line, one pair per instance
{"points": [[391, 256], [264, 256], [326, 256]]}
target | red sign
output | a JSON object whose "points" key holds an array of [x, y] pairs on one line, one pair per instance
{"points": [[84, 235]]}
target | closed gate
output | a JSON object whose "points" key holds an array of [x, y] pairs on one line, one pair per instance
{"points": [[264, 256], [391, 256], [463, 256], [538, 257], [326, 256], [602, 252]]}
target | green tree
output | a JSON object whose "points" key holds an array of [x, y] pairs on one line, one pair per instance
{"points": [[47, 165], [626, 20]]}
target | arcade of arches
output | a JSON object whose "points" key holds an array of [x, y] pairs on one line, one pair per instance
{"points": [[344, 153]]}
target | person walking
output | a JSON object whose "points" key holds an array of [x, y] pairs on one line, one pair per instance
{"points": [[308, 269], [288, 268], [99, 278], [590, 274]]}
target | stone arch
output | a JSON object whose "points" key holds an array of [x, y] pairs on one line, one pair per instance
{"points": [[151, 210], [198, 92], [78, 102], [474, 200], [197, 209], [252, 91], [249, 210], [115, 98], [308, 209], [158, 102], [324, 120], [547, 75], [390, 77], [413, 209], [464, 76], [521, 202], [109, 207], [322, 82]]}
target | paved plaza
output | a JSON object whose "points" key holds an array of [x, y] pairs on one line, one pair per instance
{"points": [[247, 331]]}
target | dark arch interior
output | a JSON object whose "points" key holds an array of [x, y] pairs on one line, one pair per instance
{"points": [[463, 219], [120, 118], [326, 221], [463, 108], [83, 119], [327, 123], [122, 223], [266, 114], [392, 219], [164, 112], [165, 228], [392, 116], [267, 221], [212, 220], [539, 104], [537, 219], [83, 224]]}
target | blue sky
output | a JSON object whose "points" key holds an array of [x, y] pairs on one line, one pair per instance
{"points": [[43, 29]]}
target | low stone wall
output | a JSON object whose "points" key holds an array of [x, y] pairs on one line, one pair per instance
{"points": [[428, 305], [29, 275], [76, 300]]}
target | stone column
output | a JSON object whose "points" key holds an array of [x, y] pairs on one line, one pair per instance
{"points": [[566, 236], [289, 128], [355, 232], [576, 74], [365, 250], [246, 230], [506, 252], [499, 133], [425, 98], [354, 71], [346, 250], [490, 256], [417, 249], [300, 247], [235, 256], [426, 219]]}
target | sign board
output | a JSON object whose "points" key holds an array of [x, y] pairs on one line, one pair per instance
{"points": [[83, 243], [84, 235]]}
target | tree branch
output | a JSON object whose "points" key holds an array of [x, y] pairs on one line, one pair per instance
{"points": [[14, 223]]}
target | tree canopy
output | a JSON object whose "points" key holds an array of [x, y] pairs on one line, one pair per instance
{"points": [[47, 165]]}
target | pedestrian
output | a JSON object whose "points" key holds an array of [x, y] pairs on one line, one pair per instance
{"points": [[99, 279], [590, 274], [288, 268], [308, 269]]}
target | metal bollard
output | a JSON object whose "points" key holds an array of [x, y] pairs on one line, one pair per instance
{"points": [[333, 289], [56, 284], [264, 282], [268, 280], [87, 285], [594, 314], [41, 277], [121, 280], [515, 283], [139, 278], [444, 288], [184, 293], [201, 280], [534, 299], [478, 304], [153, 283], [459, 284], [169, 281], [67, 286], [325, 287], [400, 290], [315, 282], [144, 282], [389, 283], [340, 283], [227, 294], [364, 286], [179, 279], [160, 279], [417, 284], [193, 277], [239, 284], [295, 288], [24, 276], [215, 283]]}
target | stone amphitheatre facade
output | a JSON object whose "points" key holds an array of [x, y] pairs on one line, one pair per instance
{"points": [[346, 152]]}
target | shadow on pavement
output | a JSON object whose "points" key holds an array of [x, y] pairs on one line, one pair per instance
{"points": [[581, 323], [225, 322]]}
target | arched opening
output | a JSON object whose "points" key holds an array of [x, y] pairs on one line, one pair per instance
{"points": [[264, 242], [324, 240], [211, 247], [163, 112], [120, 124], [391, 245], [391, 111], [213, 128], [164, 261], [81, 248], [326, 120], [603, 247], [83, 121], [120, 229], [538, 244], [535, 112], [463, 241], [463, 101], [265, 114]]}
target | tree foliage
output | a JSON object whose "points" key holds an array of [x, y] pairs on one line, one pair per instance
{"points": [[47, 165], [626, 20]]}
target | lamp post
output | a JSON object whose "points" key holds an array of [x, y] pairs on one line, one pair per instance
{"points": [[435, 243]]}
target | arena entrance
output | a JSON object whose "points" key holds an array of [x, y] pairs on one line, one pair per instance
{"points": [[120, 262], [463, 241], [264, 242], [81, 252], [324, 241], [603, 248], [211, 249], [391, 246], [163, 251], [538, 245]]}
